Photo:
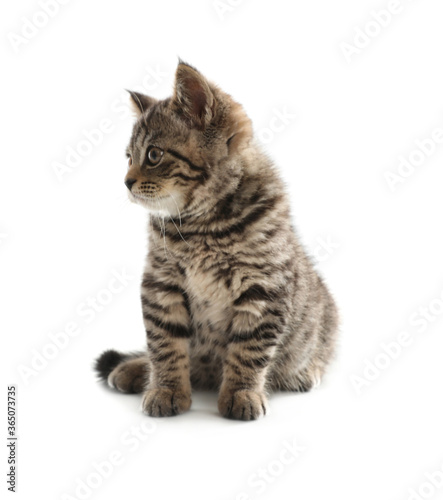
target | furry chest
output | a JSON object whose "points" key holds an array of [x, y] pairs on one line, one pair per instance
{"points": [[209, 299]]}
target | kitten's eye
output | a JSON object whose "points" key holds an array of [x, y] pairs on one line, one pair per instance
{"points": [[154, 156]]}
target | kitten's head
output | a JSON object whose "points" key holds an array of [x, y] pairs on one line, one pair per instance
{"points": [[182, 150]]}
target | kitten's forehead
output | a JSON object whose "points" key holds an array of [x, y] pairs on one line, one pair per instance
{"points": [[143, 133], [157, 125]]}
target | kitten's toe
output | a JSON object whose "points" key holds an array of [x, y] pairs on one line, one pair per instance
{"points": [[242, 405], [163, 402]]}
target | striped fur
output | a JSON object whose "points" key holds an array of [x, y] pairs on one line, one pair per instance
{"points": [[230, 300]]}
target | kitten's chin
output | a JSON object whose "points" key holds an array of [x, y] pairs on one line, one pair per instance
{"points": [[162, 205]]}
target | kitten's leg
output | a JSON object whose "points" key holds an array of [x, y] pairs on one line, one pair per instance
{"points": [[307, 352], [167, 323], [253, 339]]}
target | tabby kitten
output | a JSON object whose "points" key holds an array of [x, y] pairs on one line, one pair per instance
{"points": [[230, 300]]}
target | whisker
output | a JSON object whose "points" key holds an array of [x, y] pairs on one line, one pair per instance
{"points": [[122, 201], [170, 216], [164, 230], [151, 223], [178, 210]]}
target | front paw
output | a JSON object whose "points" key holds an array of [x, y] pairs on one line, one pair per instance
{"points": [[242, 405], [164, 402]]}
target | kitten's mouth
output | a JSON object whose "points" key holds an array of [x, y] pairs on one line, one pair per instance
{"points": [[168, 204], [148, 199], [151, 202], [140, 197]]}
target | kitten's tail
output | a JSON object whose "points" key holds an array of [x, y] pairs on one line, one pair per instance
{"points": [[125, 372], [106, 362]]}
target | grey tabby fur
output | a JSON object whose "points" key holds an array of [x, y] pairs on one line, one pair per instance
{"points": [[230, 300]]}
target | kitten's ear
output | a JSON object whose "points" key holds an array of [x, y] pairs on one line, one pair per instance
{"points": [[140, 102], [193, 97]]}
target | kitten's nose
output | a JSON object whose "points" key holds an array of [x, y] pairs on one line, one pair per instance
{"points": [[129, 183]]}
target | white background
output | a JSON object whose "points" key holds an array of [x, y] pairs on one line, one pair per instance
{"points": [[350, 121]]}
